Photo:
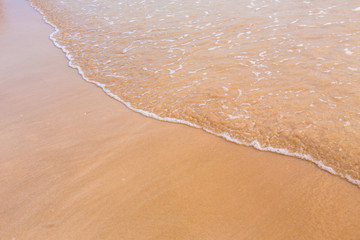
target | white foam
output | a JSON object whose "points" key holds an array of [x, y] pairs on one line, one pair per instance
{"points": [[348, 52], [225, 135], [173, 71], [352, 69], [240, 93], [356, 9], [213, 48], [262, 54], [233, 117]]}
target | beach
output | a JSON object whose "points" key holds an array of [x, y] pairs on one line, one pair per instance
{"points": [[77, 164]]}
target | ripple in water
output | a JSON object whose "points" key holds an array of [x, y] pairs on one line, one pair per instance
{"points": [[279, 75]]}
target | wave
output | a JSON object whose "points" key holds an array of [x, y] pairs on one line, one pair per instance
{"points": [[225, 135]]}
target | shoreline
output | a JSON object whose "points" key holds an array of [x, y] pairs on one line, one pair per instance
{"points": [[80, 165], [255, 144]]}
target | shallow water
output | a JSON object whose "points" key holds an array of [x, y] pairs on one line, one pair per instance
{"points": [[279, 75]]}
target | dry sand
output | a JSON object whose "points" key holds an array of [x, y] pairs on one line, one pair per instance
{"points": [[76, 164]]}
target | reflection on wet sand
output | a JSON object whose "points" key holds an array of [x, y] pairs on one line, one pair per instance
{"points": [[1, 12]]}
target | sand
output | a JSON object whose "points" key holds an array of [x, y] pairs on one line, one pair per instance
{"points": [[77, 164]]}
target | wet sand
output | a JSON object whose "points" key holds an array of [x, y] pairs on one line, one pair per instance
{"points": [[77, 164]]}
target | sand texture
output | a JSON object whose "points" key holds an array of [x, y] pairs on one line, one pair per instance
{"points": [[77, 164]]}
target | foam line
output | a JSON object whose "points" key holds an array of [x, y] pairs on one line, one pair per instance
{"points": [[224, 135]]}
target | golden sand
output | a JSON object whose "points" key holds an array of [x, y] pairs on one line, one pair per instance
{"points": [[76, 164]]}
